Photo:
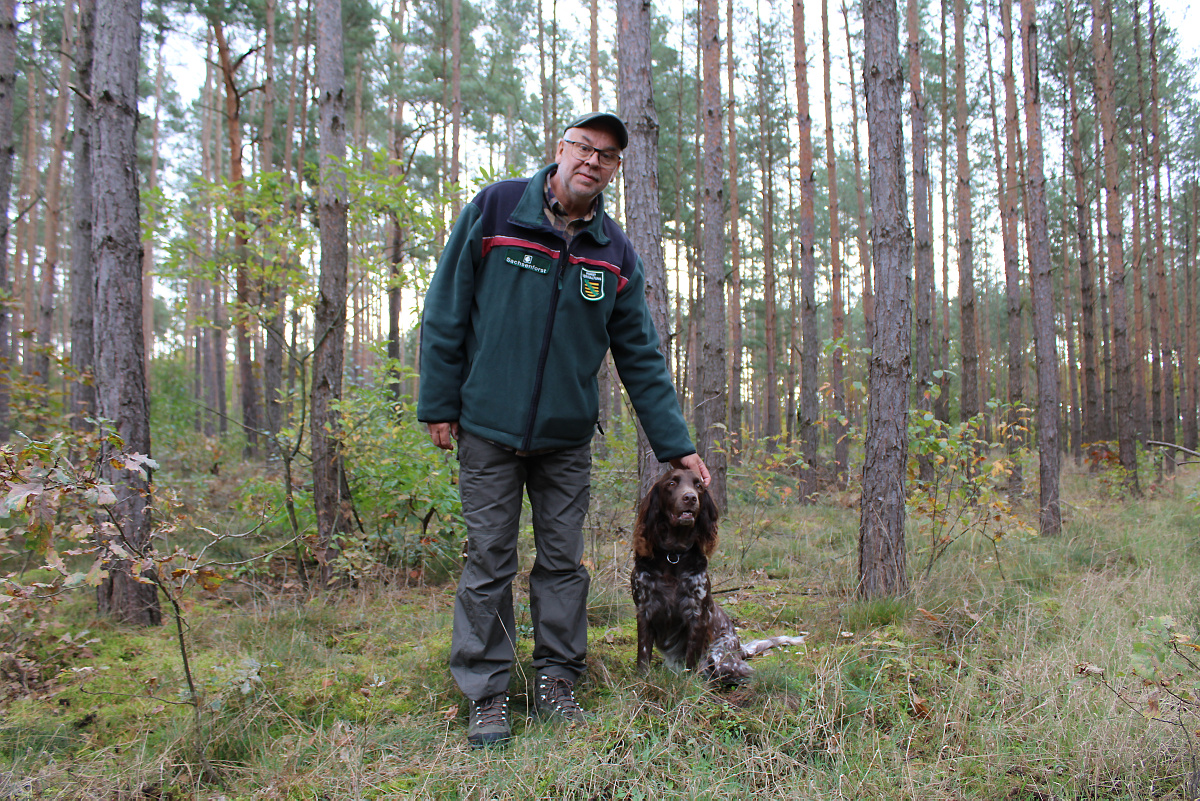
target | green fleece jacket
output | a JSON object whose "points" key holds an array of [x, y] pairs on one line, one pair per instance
{"points": [[517, 321]]}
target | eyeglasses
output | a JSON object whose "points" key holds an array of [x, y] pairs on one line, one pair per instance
{"points": [[583, 151]]}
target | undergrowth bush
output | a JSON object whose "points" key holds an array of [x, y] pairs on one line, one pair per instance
{"points": [[404, 487]]}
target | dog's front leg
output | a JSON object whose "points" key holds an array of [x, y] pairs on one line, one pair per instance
{"points": [[645, 636]]}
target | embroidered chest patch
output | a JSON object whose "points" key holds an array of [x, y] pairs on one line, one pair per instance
{"points": [[591, 284]]}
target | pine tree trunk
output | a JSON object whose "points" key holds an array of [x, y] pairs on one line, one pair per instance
{"points": [[152, 185], [1076, 416], [1092, 401], [1191, 431], [455, 102], [1123, 380], [881, 548], [968, 339], [58, 144], [922, 230], [83, 285], [8, 82], [1148, 417], [1165, 354], [1009, 199], [396, 229], [837, 428], [594, 54], [735, 259], [770, 291], [273, 291], [116, 254], [643, 218], [1041, 285], [944, 359], [237, 211], [711, 403], [806, 428], [864, 246], [329, 320]]}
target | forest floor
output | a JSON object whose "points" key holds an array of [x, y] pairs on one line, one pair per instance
{"points": [[1019, 667]]}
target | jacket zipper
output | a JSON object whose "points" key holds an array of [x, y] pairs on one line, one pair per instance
{"points": [[556, 290]]}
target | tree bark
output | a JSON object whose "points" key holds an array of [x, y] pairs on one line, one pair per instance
{"points": [[1092, 400], [968, 339], [329, 320], [881, 546], [712, 401], [1041, 286], [50, 229], [237, 211], [864, 246], [837, 427], [735, 258], [806, 427], [922, 229], [643, 217], [1166, 353], [117, 256], [770, 400], [8, 82], [1009, 197], [274, 295], [83, 284], [1105, 80], [1191, 431]]}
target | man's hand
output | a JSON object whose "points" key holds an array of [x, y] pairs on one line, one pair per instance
{"points": [[693, 462], [444, 435]]}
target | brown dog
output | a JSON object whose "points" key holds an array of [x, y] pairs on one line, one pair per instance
{"points": [[676, 532]]}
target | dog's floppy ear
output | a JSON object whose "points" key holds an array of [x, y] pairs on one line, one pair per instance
{"points": [[650, 515], [706, 524]]}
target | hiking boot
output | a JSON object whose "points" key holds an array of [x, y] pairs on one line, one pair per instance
{"points": [[555, 700], [489, 722]]}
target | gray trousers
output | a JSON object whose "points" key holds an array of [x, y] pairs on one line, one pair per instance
{"points": [[491, 480]]}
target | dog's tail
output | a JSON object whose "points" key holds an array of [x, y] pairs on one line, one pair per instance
{"points": [[756, 647]]}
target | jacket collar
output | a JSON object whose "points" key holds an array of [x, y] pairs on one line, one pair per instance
{"points": [[530, 211]]}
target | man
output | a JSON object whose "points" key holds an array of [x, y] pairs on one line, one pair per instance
{"points": [[535, 284]]}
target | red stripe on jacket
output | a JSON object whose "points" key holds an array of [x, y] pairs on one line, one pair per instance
{"points": [[490, 242], [612, 268]]}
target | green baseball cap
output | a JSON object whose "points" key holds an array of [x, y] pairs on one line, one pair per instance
{"points": [[602, 119]]}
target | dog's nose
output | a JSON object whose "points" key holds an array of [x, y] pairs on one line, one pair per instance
{"points": [[690, 496]]}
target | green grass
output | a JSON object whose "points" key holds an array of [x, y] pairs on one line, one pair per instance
{"points": [[967, 688]]}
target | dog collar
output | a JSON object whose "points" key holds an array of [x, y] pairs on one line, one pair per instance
{"points": [[673, 557]]}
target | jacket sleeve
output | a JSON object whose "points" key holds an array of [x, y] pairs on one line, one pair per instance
{"points": [[634, 343], [446, 321]]}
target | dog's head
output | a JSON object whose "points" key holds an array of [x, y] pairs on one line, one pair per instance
{"points": [[676, 514]]}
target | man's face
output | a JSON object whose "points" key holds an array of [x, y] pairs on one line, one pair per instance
{"points": [[579, 181]]}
